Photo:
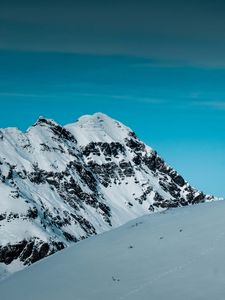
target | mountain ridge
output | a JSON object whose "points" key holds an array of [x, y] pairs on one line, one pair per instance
{"points": [[60, 184], [176, 254]]}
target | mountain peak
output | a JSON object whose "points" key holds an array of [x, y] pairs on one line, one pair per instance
{"points": [[59, 185], [98, 128], [99, 116], [42, 121]]}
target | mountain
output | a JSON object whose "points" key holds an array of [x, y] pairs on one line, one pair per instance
{"points": [[59, 185], [178, 254]]}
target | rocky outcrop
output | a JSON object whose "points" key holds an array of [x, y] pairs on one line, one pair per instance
{"points": [[59, 185]]}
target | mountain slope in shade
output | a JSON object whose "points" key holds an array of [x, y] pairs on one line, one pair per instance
{"points": [[59, 185], [178, 254]]}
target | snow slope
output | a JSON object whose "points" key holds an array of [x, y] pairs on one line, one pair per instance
{"points": [[177, 254], [59, 185]]}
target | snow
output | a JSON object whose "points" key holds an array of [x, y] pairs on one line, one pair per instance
{"points": [[98, 128], [177, 254], [41, 148], [7, 270]]}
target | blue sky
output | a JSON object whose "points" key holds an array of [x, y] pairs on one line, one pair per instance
{"points": [[156, 65], [176, 108]]}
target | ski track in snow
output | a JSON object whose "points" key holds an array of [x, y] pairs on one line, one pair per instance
{"points": [[187, 263], [59, 185], [176, 269]]}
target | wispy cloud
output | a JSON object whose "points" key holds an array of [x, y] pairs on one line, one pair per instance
{"points": [[162, 64], [122, 97], [24, 95], [212, 104], [158, 29], [75, 95]]}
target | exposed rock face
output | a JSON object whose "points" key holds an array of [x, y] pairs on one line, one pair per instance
{"points": [[59, 185]]}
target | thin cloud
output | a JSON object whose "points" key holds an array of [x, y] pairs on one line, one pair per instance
{"points": [[24, 95], [220, 105], [190, 31], [89, 95], [122, 97]]}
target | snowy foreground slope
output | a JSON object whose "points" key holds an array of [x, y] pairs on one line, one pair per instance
{"points": [[59, 185], [178, 254]]}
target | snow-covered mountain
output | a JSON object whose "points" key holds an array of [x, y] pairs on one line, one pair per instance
{"points": [[178, 254], [59, 185]]}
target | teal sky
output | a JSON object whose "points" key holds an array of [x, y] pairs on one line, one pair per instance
{"points": [[156, 65], [178, 110]]}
